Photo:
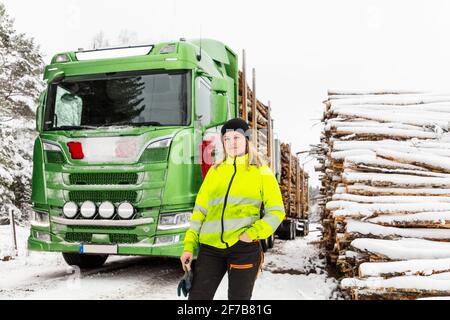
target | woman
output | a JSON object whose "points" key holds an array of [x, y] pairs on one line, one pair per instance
{"points": [[226, 223]]}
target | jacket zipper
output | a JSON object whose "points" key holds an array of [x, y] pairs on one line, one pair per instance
{"points": [[225, 203]]}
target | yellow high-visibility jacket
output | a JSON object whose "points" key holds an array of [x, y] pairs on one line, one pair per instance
{"points": [[228, 204]]}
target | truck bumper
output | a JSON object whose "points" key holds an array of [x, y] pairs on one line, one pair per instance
{"points": [[138, 249]]}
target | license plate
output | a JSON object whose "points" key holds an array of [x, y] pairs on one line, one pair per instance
{"points": [[97, 248]]}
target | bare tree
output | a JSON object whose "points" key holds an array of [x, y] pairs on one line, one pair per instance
{"points": [[126, 37], [99, 40]]}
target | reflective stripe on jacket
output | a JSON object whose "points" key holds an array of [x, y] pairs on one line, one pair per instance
{"points": [[229, 201]]}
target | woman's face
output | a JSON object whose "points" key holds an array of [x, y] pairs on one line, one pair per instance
{"points": [[234, 143]]}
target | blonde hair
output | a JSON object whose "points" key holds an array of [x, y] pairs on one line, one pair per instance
{"points": [[254, 156]]}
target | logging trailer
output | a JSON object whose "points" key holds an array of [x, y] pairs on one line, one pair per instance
{"points": [[124, 138]]}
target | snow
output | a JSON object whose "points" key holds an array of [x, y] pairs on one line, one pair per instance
{"points": [[372, 229], [113, 53], [358, 188], [352, 209], [409, 267], [338, 93], [428, 160], [292, 270], [424, 147], [443, 107], [425, 217], [404, 249], [393, 196], [16, 148], [403, 282], [341, 155], [394, 179], [406, 99], [388, 199], [372, 160], [421, 119], [334, 123], [413, 145], [389, 132]]}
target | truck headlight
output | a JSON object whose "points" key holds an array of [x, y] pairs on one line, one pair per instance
{"points": [[42, 236], [163, 143], [157, 151], [70, 210], [174, 220], [167, 240], [106, 210], [53, 152], [125, 210], [41, 218], [51, 146], [88, 209]]}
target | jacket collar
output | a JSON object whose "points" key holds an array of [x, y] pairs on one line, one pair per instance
{"points": [[239, 159]]}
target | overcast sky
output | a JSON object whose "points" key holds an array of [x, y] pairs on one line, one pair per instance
{"points": [[300, 49]]}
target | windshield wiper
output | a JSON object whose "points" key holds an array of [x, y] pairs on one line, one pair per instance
{"points": [[125, 124], [143, 124], [75, 128], [115, 125]]}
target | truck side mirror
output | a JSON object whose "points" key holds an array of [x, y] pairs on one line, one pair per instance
{"points": [[219, 85], [219, 108], [39, 111]]}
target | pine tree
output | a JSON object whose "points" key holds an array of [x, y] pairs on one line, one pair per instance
{"points": [[21, 67]]}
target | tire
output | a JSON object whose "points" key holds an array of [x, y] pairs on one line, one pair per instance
{"points": [[300, 233], [293, 230], [270, 241], [306, 232], [84, 261], [264, 245], [284, 230]]}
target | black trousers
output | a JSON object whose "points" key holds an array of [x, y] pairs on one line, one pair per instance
{"points": [[242, 261]]}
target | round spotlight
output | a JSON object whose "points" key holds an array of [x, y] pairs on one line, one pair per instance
{"points": [[106, 210], [70, 210], [88, 209], [125, 210]]}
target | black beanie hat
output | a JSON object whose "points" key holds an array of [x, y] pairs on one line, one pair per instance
{"points": [[235, 124]]}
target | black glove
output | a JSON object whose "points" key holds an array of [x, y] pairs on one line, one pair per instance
{"points": [[186, 282]]}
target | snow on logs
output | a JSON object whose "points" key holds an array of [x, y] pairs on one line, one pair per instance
{"points": [[384, 165]]}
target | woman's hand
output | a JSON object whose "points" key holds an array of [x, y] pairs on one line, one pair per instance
{"points": [[244, 237], [186, 258]]}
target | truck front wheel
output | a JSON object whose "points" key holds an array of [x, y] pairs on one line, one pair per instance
{"points": [[84, 261], [270, 241], [264, 245]]}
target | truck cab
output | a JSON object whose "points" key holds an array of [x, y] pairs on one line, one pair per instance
{"points": [[120, 154]]}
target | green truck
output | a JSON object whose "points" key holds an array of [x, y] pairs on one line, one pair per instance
{"points": [[120, 153]]}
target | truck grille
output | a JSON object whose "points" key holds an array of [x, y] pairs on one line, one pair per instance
{"points": [[123, 238], [103, 178], [78, 237], [100, 196], [114, 238]]}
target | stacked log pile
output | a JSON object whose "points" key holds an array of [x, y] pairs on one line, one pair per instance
{"points": [[294, 184], [262, 112], [385, 206], [294, 180]]}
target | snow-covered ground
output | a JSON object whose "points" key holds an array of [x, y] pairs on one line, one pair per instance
{"points": [[292, 270]]}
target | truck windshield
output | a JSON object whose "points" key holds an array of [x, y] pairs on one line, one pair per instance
{"points": [[79, 103]]}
